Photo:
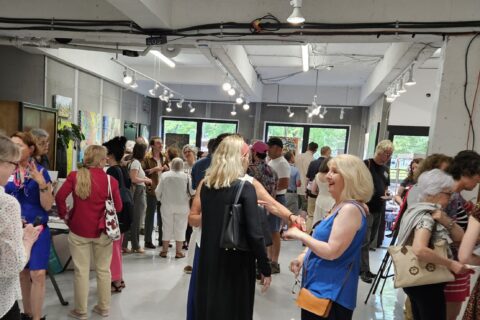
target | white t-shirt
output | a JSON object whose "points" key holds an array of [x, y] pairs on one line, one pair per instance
{"points": [[136, 165], [282, 169]]}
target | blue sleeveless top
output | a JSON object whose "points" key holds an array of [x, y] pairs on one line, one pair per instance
{"points": [[324, 278]]}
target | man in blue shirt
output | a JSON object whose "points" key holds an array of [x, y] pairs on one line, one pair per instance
{"points": [[293, 184]]}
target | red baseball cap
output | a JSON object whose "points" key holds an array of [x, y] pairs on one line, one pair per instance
{"points": [[260, 147]]}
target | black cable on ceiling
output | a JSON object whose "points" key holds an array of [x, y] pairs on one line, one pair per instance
{"points": [[470, 116]]}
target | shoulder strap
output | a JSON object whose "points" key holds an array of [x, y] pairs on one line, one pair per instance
{"points": [[109, 188], [239, 191]]}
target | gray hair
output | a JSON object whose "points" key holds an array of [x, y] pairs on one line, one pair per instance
{"points": [[189, 147], [176, 164], [39, 133], [431, 183], [9, 151]]}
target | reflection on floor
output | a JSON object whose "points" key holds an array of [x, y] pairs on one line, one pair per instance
{"points": [[157, 289]]}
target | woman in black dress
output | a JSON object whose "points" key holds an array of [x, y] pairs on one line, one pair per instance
{"points": [[226, 279]]}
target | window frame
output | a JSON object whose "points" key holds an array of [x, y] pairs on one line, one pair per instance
{"points": [[306, 131], [199, 123]]}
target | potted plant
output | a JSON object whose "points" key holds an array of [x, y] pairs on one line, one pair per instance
{"points": [[66, 135]]}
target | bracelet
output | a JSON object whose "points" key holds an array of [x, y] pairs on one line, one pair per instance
{"points": [[43, 189]]}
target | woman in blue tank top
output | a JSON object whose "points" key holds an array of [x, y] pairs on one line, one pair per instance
{"points": [[331, 262]]}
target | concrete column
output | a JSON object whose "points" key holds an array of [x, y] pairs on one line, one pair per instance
{"points": [[450, 120]]}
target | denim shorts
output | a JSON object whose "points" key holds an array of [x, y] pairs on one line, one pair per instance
{"points": [[275, 222]]}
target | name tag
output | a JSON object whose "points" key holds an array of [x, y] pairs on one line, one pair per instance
{"points": [[385, 174]]}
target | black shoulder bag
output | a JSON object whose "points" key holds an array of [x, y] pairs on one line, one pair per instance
{"points": [[125, 217], [233, 235]]}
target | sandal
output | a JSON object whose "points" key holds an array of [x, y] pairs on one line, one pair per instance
{"points": [[116, 288], [163, 254], [179, 255], [77, 315], [122, 284], [126, 250]]}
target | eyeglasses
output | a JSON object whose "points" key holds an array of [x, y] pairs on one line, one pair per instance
{"points": [[296, 286]]}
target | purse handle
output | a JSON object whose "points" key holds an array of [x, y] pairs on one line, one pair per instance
{"points": [[239, 191], [109, 188]]}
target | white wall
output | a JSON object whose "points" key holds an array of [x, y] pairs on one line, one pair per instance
{"points": [[414, 108]]}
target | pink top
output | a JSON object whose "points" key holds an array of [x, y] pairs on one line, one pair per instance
{"points": [[86, 218]]}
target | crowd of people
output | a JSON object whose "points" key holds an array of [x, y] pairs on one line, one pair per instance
{"points": [[334, 205]]}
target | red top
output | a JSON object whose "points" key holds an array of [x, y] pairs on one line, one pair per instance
{"points": [[86, 217]]}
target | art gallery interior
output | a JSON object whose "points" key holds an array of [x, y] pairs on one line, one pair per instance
{"points": [[351, 74]]}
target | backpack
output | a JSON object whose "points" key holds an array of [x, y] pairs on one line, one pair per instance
{"points": [[125, 217]]}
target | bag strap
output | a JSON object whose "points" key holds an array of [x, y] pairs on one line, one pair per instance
{"points": [[239, 191], [109, 188]]}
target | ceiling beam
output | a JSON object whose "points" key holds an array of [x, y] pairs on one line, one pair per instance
{"points": [[397, 58], [146, 13]]}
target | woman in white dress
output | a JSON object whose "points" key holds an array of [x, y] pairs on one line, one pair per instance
{"points": [[324, 201]]}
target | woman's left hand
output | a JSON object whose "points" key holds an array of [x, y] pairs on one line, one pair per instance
{"points": [[36, 175], [299, 222], [293, 233]]}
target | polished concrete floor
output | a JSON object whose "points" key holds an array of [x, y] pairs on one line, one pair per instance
{"points": [[157, 289]]}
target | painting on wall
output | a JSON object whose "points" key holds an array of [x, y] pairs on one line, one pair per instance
{"points": [[63, 105], [176, 140], [130, 130], [111, 128], [91, 125], [290, 144], [144, 131]]}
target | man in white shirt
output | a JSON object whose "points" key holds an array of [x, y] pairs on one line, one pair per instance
{"points": [[302, 161], [282, 168]]}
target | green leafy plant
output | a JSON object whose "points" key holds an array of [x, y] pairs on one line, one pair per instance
{"points": [[67, 134]]}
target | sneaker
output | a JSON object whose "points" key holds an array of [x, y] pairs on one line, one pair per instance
{"points": [[365, 277], [275, 267], [149, 245], [188, 269], [97, 310]]}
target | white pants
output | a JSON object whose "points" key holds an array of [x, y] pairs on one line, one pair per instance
{"points": [[174, 224]]}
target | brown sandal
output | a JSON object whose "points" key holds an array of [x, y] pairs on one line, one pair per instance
{"points": [[163, 254], [179, 255]]}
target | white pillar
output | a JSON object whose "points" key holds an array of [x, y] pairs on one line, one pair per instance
{"points": [[450, 120]]}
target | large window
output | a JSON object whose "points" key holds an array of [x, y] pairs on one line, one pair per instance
{"points": [[198, 130], [336, 137]]}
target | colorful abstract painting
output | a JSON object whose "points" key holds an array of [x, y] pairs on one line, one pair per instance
{"points": [[111, 128], [91, 126]]}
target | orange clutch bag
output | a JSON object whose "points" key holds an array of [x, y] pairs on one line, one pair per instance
{"points": [[319, 306]]}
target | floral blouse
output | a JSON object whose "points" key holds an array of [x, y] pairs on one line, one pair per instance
{"points": [[12, 253]]}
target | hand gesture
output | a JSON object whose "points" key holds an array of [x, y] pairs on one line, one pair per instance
{"points": [[293, 233], [266, 281], [300, 223], [148, 181], [458, 268], [35, 174], [31, 233], [295, 267]]}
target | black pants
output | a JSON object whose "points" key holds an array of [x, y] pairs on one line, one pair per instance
{"points": [[13, 313], [337, 312], [428, 301]]}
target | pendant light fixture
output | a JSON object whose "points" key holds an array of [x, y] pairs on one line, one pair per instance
{"points": [[296, 17], [290, 113], [246, 106], [233, 112], [169, 107], [191, 107], [127, 79]]}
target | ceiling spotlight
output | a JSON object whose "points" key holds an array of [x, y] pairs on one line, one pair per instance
{"points": [[180, 104], [342, 113], [171, 95], [322, 115], [165, 92], [127, 79], [169, 62], [290, 113], [153, 91], [329, 68], [246, 106], [169, 107], [410, 81], [226, 86], [239, 100], [233, 112], [191, 108], [390, 98], [401, 86], [395, 93], [134, 83], [296, 17], [305, 58], [315, 108], [231, 92]]}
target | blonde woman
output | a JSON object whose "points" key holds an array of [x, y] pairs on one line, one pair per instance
{"points": [[331, 262], [87, 224], [226, 279]]}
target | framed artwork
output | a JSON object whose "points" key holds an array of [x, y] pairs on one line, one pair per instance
{"points": [[176, 140], [290, 144], [91, 126], [111, 128], [130, 130], [63, 105]]}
